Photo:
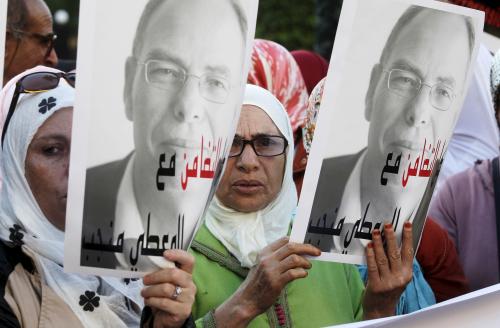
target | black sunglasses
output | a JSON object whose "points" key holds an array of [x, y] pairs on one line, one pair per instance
{"points": [[35, 83]]}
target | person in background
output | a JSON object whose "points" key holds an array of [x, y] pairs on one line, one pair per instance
{"points": [[29, 37], [314, 68], [274, 69], [248, 273], [29, 40], [495, 86], [437, 264], [475, 135], [470, 217]]}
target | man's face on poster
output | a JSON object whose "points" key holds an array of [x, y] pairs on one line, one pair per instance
{"points": [[414, 94], [186, 82]]}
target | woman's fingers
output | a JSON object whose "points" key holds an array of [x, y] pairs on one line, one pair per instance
{"points": [[371, 263], [393, 253], [273, 247], [174, 276], [168, 290], [165, 304], [294, 261], [295, 248], [181, 258], [293, 274], [407, 251], [380, 257]]}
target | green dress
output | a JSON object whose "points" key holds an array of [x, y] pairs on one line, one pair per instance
{"points": [[330, 294]]}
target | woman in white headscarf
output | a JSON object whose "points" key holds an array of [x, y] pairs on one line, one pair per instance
{"points": [[248, 273], [34, 289]]}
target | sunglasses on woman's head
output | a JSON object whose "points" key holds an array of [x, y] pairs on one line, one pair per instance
{"points": [[35, 83]]}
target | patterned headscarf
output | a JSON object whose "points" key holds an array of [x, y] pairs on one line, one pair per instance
{"points": [[274, 69], [495, 81], [312, 114], [95, 301]]}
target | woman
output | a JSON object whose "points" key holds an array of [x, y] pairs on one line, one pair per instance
{"points": [[462, 213], [36, 292], [247, 272]]}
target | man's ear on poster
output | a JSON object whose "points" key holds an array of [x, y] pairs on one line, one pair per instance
{"points": [[130, 71], [377, 70]]}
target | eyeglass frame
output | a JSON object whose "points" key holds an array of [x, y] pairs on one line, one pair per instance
{"points": [[19, 90], [49, 38], [251, 143], [431, 87], [186, 75]]}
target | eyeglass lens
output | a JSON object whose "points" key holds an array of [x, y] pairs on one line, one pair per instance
{"points": [[50, 44], [169, 76], [262, 145], [408, 85], [39, 81]]}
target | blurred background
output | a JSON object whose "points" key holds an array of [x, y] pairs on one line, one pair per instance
{"points": [[65, 13]]}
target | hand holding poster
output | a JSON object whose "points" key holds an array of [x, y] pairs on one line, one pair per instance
{"points": [[183, 81], [376, 161]]}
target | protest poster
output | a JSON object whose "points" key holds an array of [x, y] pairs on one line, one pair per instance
{"points": [[159, 89], [394, 90]]}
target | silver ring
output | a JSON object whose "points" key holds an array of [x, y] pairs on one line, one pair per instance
{"points": [[177, 292]]}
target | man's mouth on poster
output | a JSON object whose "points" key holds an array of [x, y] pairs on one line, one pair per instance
{"points": [[184, 164], [406, 159]]}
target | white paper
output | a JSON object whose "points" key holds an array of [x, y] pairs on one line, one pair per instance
{"points": [[378, 146], [147, 150]]}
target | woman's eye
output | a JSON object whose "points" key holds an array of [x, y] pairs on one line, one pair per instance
{"points": [[52, 150], [265, 141]]}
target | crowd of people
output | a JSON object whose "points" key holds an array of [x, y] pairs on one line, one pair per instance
{"points": [[241, 269]]}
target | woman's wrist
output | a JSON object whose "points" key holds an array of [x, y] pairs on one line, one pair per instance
{"points": [[374, 307], [234, 313]]}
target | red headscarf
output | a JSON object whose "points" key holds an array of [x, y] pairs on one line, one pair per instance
{"points": [[274, 69], [313, 67]]}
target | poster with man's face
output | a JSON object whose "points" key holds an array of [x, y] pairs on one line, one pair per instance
{"points": [[394, 90], [159, 89]]}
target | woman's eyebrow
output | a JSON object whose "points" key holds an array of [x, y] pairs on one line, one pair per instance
{"points": [[55, 136]]}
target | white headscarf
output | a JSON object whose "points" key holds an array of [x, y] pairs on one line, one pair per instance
{"points": [[246, 234], [21, 215]]}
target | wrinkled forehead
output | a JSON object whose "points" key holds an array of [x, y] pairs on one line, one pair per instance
{"points": [[180, 17], [38, 15], [255, 121], [193, 35]]}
